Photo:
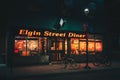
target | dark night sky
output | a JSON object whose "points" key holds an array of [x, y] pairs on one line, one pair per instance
{"points": [[113, 15], [17, 9], [14, 10]]}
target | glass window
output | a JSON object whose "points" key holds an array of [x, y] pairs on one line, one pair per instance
{"points": [[26, 46], [52, 44], [56, 44], [82, 47], [91, 46], [32, 47], [74, 46], [60, 45], [20, 47], [98, 46]]}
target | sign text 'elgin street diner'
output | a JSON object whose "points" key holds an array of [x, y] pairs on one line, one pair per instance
{"points": [[47, 33]]}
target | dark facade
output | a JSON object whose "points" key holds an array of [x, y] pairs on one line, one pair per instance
{"points": [[35, 46], [45, 16]]}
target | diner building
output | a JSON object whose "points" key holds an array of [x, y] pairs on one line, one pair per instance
{"points": [[41, 46], [44, 32]]}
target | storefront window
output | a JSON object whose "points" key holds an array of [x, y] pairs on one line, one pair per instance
{"points": [[60, 45], [98, 46], [82, 47], [91, 46], [78, 46], [56, 44], [32, 47], [74, 46], [52, 44], [20, 47]]}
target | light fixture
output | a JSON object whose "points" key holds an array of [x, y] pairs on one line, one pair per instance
{"points": [[62, 22], [86, 11]]}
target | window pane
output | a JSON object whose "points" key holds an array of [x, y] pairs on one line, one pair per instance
{"points": [[20, 47], [74, 46], [83, 46], [91, 46], [32, 47], [98, 46]]}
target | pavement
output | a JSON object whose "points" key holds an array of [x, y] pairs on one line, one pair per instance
{"points": [[25, 71]]}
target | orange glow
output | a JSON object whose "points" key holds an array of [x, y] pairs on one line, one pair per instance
{"points": [[91, 46], [32, 44], [70, 34], [83, 46], [60, 45], [74, 46], [24, 53], [55, 34], [20, 45], [66, 47], [98, 46], [29, 33]]}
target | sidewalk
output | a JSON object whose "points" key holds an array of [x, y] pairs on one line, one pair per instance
{"points": [[49, 69]]}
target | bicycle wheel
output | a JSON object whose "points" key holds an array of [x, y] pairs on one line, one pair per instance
{"points": [[95, 63], [75, 65], [96, 60], [108, 62]]}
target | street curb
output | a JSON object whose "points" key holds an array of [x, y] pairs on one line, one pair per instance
{"points": [[63, 73]]}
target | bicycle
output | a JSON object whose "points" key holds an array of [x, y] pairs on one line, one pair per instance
{"points": [[100, 59], [70, 62]]}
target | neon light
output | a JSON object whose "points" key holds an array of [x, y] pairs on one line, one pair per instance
{"points": [[56, 34], [70, 34], [29, 33]]}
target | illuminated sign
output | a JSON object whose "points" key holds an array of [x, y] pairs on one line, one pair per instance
{"points": [[29, 33], [70, 34], [56, 34]]}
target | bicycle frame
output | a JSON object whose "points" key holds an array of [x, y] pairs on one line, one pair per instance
{"points": [[101, 60]]}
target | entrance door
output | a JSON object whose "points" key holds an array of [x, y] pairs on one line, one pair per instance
{"points": [[57, 48]]}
